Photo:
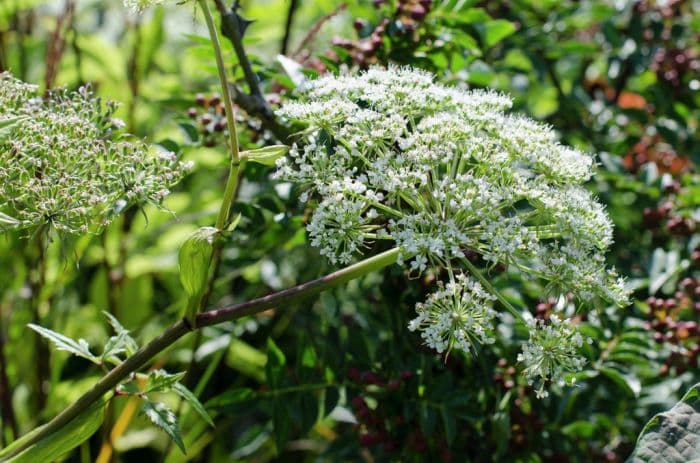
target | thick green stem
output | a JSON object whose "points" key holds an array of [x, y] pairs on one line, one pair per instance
{"points": [[212, 317]]}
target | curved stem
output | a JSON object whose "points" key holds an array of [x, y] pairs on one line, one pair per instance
{"points": [[180, 329], [487, 284]]}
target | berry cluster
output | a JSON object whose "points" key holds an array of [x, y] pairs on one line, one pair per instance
{"points": [[675, 225], [662, 22], [653, 149], [669, 327], [210, 118], [672, 64], [398, 24]]}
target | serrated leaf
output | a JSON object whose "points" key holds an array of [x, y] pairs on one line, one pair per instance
{"points": [[162, 381], [115, 345], [130, 344], [165, 419], [81, 348], [672, 436], [187, 395], [69, 436], [266, 156]]}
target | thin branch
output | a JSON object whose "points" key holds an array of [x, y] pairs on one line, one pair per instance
{"points": [[259, 107], [230, 27], [254, 102], [293, 4], [181, 328], [317, 27], [57, 43]]}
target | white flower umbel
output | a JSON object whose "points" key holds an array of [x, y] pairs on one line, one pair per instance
{"points": [[440, 171], [459, 315], [551, 353], [65, 164], [444, 173]]}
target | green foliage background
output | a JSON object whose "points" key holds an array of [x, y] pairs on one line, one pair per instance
{"points": [[339, 377]]}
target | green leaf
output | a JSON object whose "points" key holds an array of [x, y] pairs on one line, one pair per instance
{"points": [[628, 383], [497, 30], [280, 422], [130, 345], [276, 361], [449, 421], [672, 436], [81, 348], [543, 101], [233, 400], [579, 429], [115, 345], [265, 156], [194, 258], [193, 401], [165, 419], [74, 433], [162, 381]]}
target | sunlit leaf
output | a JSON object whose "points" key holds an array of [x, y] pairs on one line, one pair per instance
{"points": [[165, 419], [81, 348]]}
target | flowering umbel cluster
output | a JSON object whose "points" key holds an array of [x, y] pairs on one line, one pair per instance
{"points": [[551, 351], [65, 164], [391, 155]]}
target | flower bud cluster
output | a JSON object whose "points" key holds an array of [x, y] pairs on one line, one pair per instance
{"points": [[65, 164], [459, 315], [551, 353]]}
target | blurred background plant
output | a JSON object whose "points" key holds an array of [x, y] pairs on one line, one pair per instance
{"points": [[340, 378]]}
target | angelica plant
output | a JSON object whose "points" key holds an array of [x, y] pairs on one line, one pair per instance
{"points": [[442, 172]]}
